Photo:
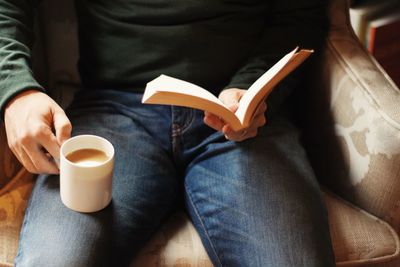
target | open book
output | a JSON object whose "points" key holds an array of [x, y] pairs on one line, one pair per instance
{"points": [[171, 91]]}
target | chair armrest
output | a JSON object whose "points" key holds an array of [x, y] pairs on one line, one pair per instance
{"points": [[9, 165], [353, 134]]}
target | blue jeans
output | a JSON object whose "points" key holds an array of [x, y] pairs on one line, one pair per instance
{"points": [[254, 203]]}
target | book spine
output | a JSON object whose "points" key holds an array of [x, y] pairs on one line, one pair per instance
{"points": [[371, 39]]}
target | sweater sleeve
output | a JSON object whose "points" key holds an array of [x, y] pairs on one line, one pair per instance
{"points": [[16, 38], [302, 23]]}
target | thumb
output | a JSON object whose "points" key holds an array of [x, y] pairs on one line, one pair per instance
{"points": [[232, 104], [62, 126], [231, 97]]}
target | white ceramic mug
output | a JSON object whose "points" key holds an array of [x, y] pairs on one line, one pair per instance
{"points": [[86, 188]]}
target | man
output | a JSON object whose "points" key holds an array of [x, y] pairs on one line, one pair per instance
{"points": [[251, 195]]}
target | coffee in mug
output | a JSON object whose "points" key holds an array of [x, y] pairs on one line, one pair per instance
{"points": [[87, 157]]}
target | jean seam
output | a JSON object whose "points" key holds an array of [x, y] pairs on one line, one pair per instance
{"points": [[189, 122], [181, 129], [203, 225]]}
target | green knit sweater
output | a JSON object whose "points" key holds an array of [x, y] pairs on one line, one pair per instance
{"points": [[125, 43]]}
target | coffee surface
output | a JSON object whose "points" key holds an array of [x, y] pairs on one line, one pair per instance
{"points": [[87, 157]]}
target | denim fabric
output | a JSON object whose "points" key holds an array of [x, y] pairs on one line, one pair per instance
{"points": [[254, 203]]}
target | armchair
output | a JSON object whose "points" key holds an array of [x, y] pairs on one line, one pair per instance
{"points": [[351, 132]]}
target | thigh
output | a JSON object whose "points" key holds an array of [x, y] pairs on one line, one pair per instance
{"points": [[144, 190], [257, 203]]}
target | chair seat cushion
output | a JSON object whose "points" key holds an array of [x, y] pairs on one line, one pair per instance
{"points": [[358, 237], [175, 244]]}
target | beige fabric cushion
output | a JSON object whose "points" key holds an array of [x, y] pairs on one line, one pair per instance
{"points": [[175, 244], [357, 236]]}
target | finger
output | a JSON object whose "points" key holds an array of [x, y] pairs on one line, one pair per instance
{"points": [[252, 133], [48, 140], [258, 121], [231, 102], [231, 98], [232, 135], [232, 105], [262, 107], [213, 121], [62, 126], [241, 135], [40, 160], [19, 152], [24, 159]]}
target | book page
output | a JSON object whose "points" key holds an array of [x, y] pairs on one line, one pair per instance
{"points": [[260, 84], [266, 83], [166, 83], [166, 90]]}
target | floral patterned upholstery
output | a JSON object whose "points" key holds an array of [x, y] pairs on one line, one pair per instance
{"points": [[352, 136], [13, 200], [356, 150]]}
